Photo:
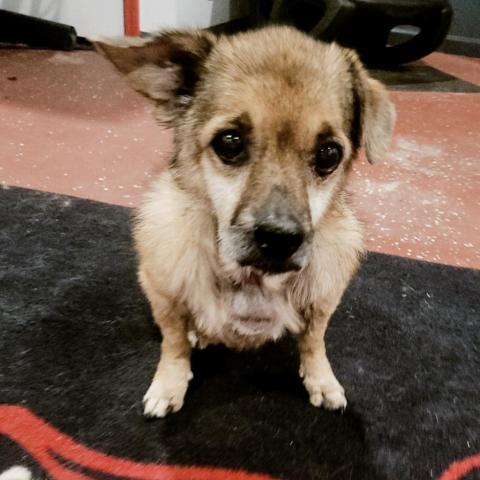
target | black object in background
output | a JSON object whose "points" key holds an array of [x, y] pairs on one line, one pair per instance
{"points": [[16, 28], [364, 25]]}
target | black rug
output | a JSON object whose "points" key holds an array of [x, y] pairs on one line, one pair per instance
{"points": [[78, 349]]}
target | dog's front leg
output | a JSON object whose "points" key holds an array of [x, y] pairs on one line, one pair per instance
{"points": [[170, 382], [318, 377]]}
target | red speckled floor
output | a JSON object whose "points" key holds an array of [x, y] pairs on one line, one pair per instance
{"points": [[423, 201], [68, 124]]}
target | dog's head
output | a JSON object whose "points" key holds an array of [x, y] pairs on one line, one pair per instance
{"points": [[267, 124]]}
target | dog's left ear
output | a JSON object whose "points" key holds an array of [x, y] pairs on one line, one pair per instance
{"points": [[165, 68], [375, 112]]}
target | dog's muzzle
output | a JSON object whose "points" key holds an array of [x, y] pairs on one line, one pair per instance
{"points": [[279, 241]]}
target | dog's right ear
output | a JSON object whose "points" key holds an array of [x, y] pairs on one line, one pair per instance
{"points": [[165, 68]]}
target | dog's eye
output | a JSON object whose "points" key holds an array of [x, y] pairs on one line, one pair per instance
{"points": [[229, 146], [327, 158]]}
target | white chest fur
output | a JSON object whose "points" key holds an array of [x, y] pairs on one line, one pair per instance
{"points": [[246, 314]]}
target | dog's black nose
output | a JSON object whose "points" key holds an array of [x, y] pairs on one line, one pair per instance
{"points": [[277, 243]]}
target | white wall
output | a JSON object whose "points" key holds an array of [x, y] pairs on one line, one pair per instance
{"points": [[105, 17], [89, 17], [156, 14]]}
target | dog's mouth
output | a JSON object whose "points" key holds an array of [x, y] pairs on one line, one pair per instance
{"points": [[240, 277], [270, 267], [249, 276]]}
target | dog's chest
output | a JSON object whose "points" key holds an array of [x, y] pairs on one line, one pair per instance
{"points": [[247, 314]]}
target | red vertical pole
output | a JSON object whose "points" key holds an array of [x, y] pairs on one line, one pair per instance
{"points": [[131, 17]]}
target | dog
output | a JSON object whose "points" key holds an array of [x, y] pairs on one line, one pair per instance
{"points": [[248, 235]]}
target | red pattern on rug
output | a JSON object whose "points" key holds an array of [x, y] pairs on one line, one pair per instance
{"points": [[49, 447], [459, 469]]}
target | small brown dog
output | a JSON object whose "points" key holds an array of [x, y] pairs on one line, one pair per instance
{"points": [[248, 235]]}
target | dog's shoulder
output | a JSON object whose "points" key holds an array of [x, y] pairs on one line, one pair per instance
{"points": [[336, 254], [170, 228]]}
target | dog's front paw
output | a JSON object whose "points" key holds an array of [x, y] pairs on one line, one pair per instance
{"points": [[326, 392], [166, 393]]}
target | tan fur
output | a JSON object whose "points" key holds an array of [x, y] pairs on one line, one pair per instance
{"points": [[287, 89]]}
